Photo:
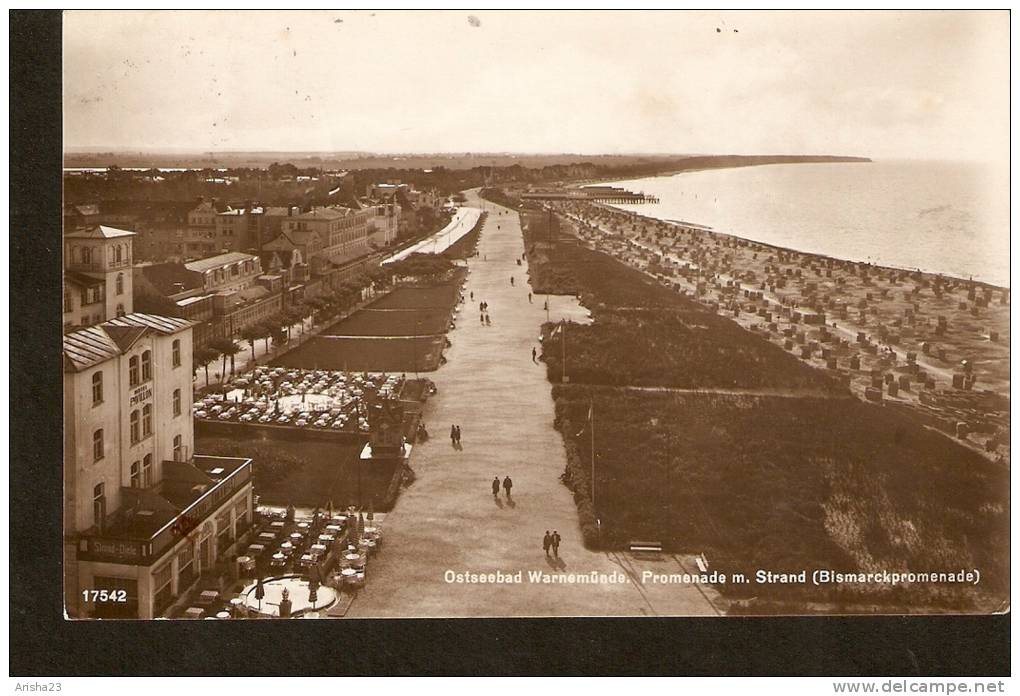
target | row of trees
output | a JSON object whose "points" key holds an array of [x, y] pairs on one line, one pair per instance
{"points": [[322, 308]]}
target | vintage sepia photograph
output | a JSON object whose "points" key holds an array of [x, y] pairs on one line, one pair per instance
{"points": [[445, 314]]}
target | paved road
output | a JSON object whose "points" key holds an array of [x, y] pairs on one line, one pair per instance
{"points": [[448, 519]]}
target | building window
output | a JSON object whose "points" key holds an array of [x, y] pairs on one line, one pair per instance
{"points": [[185, 567], [162, 590], [86, 255], [146, 420], [147, 470], [177, 402], [120, 310], [68, 301], [133, 371], [97, 445], [178, 448], [136, 474], [135, 427], [176, 352], [120, 253], [99, 505], [146, 366], [120, 283], [97, 388]]}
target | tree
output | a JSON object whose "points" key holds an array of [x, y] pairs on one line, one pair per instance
{"points": [[226, 347], [251, 334], [202, 357], [264, 329], [278, 335]]}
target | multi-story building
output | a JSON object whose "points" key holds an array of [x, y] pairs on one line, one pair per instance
{"points": [[343, 232], [227, 272], [144, 517], [223, 294], [385, 222], [97, 275]]}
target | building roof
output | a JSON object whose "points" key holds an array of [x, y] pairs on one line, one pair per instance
{"points": [[82, 279], [99, 232], [164, 325], [290, 240], [203, 265], [87, 347], [92, 345], [330, 213]]}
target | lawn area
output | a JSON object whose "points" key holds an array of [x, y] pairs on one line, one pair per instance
{"points": [[391, 322], [440, 296], [366, 354], [306, 473], [792, 484], [687, 348]]}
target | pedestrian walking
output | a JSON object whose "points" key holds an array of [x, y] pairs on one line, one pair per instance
{"points": [[487, 322], [534, 354], [507, 485], [481, 306], [556, 543], [495, 487], [481, 318], [453, 434], [457, 428], [472, 295], [511, 281], [547, 542], [529, 298]]}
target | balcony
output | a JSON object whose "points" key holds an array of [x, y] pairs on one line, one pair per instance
{"points": [[154, 519]]}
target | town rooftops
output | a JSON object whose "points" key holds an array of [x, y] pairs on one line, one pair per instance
{"points": [[213, 262], [99, 232], [95, 344]]}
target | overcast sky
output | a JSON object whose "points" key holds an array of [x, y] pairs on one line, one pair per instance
{"points": [[916, 85]]}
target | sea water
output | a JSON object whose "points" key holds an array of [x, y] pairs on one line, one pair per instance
{"points": [[941, 217]]}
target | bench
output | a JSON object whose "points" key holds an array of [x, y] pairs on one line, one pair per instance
{"points": [[646, 546]]}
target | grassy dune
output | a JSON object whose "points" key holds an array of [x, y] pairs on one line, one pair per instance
{"points": [[791, 484]]}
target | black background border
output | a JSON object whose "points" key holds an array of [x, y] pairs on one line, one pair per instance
{"points": [[42, 643]]}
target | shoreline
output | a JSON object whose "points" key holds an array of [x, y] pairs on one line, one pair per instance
{"points": [[813, 254], [876, 307]]}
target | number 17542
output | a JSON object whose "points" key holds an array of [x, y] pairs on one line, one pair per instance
{"points": [[100, 596]]}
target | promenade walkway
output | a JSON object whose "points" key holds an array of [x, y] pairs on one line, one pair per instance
{"points": [[448, 520]]}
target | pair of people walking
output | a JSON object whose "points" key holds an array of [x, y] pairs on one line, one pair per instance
{"points": [[507, 485], [551, 541], [455, 435]]}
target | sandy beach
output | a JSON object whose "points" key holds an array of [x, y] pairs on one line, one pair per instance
{"points": [[934, 345]]}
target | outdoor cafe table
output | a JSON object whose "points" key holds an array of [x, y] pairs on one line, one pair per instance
{"points": [[318, 549], [326, 539], [256, 550], [296, 537], [208, 596], [334, 528], [302, 526], [277, 525], [193, 613], [223, 615], [267, 537]]}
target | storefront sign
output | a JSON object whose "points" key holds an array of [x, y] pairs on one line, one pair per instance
{"points": [[125, 551], [142, 393]]}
